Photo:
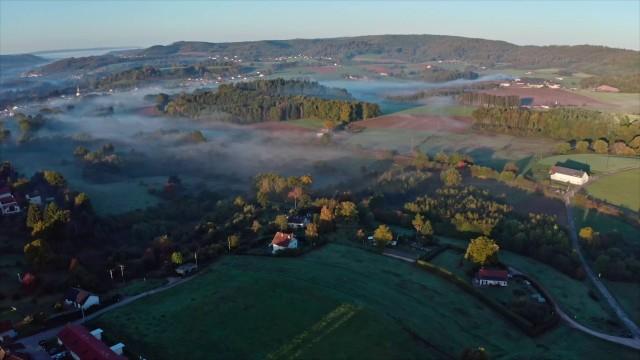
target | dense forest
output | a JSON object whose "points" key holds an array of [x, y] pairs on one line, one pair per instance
{"points": [[558, 123], [418, 48], [264, 100], [437, 74], [625, 83]]}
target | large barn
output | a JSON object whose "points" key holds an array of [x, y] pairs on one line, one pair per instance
{"points": [[568, 175]]}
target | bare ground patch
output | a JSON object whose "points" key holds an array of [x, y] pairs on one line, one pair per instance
{"points": [[454, 124]]}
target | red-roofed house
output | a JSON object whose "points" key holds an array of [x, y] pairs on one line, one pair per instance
{"points": [[8, 203], [83, 345], [283, 241], [492, 277]]}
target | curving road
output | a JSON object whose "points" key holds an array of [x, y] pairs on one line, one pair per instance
{"points": [[37, 353], [633, 328], [633, 343]]}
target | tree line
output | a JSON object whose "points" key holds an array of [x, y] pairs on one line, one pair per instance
{"points": [[484, 99], [557, 123], [624, 83]]}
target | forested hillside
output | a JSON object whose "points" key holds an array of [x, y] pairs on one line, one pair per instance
{"points": [[417, 48], [272, 100]]}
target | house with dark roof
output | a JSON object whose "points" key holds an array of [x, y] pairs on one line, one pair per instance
{"points": [[298, 221], [568, 175], [8, 203], [492, 277], [85, 345], [81, 299], [283, 241]]}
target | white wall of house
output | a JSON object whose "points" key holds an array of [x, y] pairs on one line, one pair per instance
{"points": [[293, 244], [570, 179], [486, 282], [91, 301]]}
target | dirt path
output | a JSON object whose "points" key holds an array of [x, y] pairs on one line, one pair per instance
{"points": [[31, 343]]}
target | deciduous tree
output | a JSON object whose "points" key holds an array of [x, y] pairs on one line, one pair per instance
{"points": [[482, 250]]}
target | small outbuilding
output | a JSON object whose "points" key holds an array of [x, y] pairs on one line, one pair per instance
{"points": [[186, 269]]}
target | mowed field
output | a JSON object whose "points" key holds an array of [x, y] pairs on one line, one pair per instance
{"points": [[572, 295], [617, 102], [621, 189], [334, 303]]}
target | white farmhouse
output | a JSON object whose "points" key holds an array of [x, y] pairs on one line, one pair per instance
{"points": [[283, 241], [81, 299], [568, 175]]}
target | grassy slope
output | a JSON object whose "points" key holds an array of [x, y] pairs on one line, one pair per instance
{"points": [[337, 302], [572, 295], [620, 102], [619, 189]]}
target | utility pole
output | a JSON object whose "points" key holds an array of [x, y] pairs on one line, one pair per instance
{"points": [[195, 256], [111, 273], [122, 271]]}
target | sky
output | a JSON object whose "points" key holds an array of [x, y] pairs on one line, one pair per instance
{"points": [[29, 26]]}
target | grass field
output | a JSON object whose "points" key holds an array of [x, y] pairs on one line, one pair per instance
{"points": [[606, 223], [620, 102], [335, 303], [572, 295], [621, 189], [628, 294], [454, 110], [598, 163]]}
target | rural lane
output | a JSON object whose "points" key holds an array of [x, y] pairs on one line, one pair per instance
{"points": [[31, 343], [606, 294], [633, 343]]}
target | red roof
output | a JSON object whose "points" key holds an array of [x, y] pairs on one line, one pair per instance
{"points": [[282, 239], [493, 274], [77, 339], [5, 325], [28, 278]]}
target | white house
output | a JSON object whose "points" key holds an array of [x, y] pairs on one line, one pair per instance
{"points": [[283, 241], [568, 175], [186, 269], [492, 277], [8, 203], [81, 299]]}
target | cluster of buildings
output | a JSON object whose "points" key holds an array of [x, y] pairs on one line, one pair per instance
{"points": [[82, 344], [531, 84]]}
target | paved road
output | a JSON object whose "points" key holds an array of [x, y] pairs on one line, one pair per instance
{"points": [[633, 343], [629, 342], [31, 342], [613, 303]]}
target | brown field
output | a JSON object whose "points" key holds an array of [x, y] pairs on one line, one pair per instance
{"points": [[377, 69], [454, 124], [546, 96], [323, 69]]}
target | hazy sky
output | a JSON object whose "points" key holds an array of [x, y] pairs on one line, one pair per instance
{"points": [[27, 26]]}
